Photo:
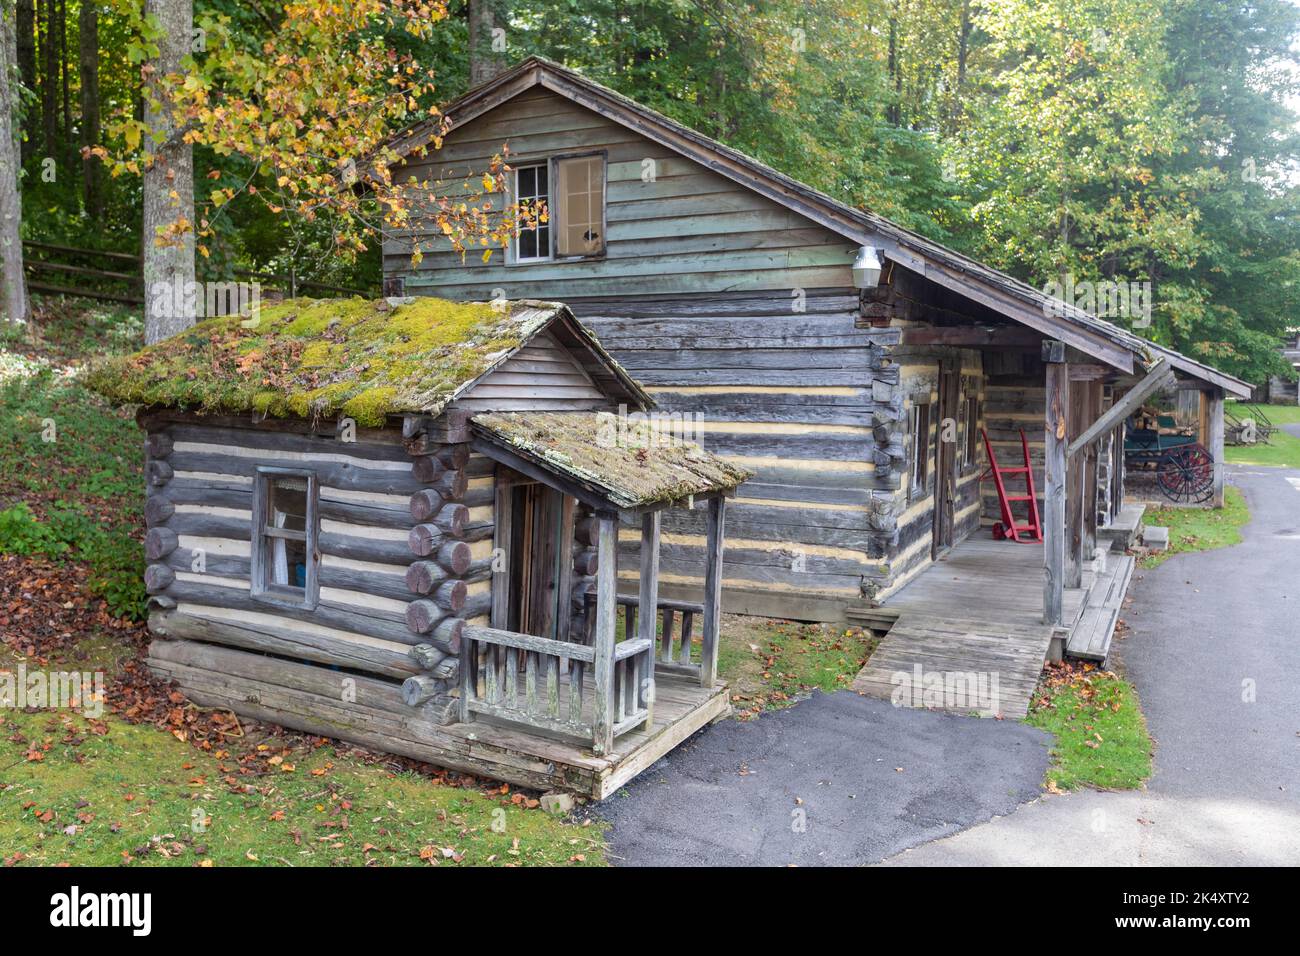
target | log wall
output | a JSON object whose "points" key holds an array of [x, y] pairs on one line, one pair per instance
{"points": [[404, 542]]}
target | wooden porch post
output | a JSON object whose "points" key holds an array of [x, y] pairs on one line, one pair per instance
{"points": [[602, 736], [648, 605], [1054, 464], [1215, 441], [712, 592]]}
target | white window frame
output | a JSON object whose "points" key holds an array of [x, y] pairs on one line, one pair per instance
{"points": [[550, 213], [554, 213]]}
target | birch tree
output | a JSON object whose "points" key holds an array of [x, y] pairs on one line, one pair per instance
{"points": [[168, 178]]}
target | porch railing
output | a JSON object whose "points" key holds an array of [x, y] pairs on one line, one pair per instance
{"points": [[677, 652], [552, 685]]}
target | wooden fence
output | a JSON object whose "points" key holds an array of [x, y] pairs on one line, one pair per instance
{"points": [[116, 276]]}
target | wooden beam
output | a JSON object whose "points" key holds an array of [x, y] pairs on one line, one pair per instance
{"points": [[602, 735], [973, 336], [1054, 465], [648, 606], [1215, 443], [712, 592], [1159, 376]]}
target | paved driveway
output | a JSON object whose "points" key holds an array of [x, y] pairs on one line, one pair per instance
{"points": [[837, 779], [1215, 653]]}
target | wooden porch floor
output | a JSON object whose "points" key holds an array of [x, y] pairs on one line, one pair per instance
{"points": [[968, 632]]}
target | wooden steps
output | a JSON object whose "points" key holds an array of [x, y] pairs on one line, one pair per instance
{"points": [[1091, 636], [957, 665]]}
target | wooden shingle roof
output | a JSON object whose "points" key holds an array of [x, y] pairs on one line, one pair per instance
{"points": [[627, 463]]}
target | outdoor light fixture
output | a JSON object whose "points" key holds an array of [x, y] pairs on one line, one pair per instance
{"points": [[866, 268]]}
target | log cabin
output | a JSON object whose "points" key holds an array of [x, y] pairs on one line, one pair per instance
{"points": [[396, 523], [852, 365]]}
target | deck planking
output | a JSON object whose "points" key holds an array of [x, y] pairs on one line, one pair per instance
{"points": [[971, 626]]}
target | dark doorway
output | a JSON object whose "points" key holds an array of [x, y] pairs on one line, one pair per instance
{"points": [[540, 551]]}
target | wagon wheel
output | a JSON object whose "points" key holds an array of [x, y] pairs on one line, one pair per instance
{"points": [[1186, 474]]}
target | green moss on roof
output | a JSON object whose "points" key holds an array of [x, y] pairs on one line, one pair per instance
{"points": [[632, 461], [321, 358]]}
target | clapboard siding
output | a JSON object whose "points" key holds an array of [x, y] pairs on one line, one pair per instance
{"points": [[542, 376], [673, 225]]}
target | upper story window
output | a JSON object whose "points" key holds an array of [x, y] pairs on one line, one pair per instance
{"points": [[571, 190], [533, 194], [285, 528]]}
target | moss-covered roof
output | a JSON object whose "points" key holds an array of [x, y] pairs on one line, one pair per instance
{"points": [[321, 358], [631, 462]]}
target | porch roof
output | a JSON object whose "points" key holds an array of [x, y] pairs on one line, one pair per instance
{"points": [[609, 459]]}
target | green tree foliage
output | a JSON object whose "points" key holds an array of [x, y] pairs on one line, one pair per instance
{"points": [[1140, 141]]}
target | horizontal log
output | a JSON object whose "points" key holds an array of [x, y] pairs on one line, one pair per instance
{"points": [[356, 620], [428, 656], [158, 472], [381, 447], [158, 445], [377, 550], [421, 687], [159, 542], [427, 469], [454, 556], [425, 505], [157, 578], [423, 576], [422, 615], [323, 645], [332, 474], [157, 509]]}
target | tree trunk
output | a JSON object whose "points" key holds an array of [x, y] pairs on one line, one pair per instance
{"points": [[27, 71], [168, 257], [65, 132], [50, 77], [484, 62], [13, 288], [88, 42]]}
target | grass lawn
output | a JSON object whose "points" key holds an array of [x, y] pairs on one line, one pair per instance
{"points": [[1101, 735], [1199, 529], [1282, 449], [772, 664], [109, 793], [155, 780]]}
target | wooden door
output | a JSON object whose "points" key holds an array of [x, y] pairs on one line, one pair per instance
{"points": [[945, 459]]}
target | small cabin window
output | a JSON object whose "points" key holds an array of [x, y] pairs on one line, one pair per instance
{"points": [[569, 194], [533, 195], [920, 422], [970, 450], [580, 189], [284, 556]]}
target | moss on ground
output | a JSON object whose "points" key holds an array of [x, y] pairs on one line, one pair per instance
{"points": [[321, 358]]}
